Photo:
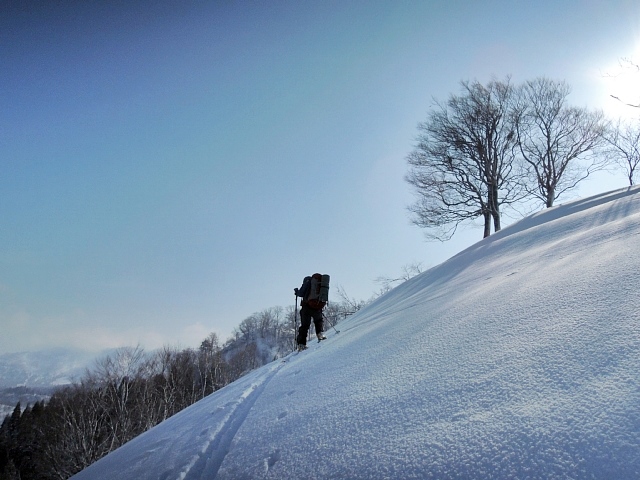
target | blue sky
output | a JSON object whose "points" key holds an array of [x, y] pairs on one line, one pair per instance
{"points": [[169, 168]]}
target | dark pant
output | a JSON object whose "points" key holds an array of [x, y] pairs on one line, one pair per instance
{"points": [[306, 314]]}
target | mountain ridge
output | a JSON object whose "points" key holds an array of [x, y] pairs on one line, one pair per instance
{"points": [[44, 368]]}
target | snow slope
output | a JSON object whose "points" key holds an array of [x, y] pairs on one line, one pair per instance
{"points": [[517, 358]]}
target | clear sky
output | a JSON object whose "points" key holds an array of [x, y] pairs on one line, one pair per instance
{"points": [[169, 168]]}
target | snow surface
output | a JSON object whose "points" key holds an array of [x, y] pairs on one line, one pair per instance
{"points": [[517, 358]]}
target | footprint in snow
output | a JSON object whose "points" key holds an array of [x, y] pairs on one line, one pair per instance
{"points": [[271, 460]]}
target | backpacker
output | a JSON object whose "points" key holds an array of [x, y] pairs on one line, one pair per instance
{"points": [[318, 291]]}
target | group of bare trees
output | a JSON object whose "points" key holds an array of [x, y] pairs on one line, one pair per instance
{"points": [[130, 391], [502, 145], [124, 395]]}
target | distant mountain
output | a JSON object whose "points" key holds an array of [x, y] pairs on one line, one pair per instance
{"points": [[9, 397], [28, 377], [5, 410], [45, 368]]}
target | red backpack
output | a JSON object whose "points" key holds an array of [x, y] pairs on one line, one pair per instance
{"points": [[319, 291]]}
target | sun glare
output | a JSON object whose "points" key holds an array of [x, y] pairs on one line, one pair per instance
{"points": [[622, 86]]}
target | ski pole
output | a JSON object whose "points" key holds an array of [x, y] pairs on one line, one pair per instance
{"points": [[295, 323], [332, 325]]}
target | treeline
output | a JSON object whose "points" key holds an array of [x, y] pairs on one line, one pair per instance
{"points": [[129, 392]]}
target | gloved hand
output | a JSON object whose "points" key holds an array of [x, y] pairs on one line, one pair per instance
{"points": [[295, 290]]}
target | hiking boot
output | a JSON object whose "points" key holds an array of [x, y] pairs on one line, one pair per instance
{"points": [[321, 337], [301, 347]]}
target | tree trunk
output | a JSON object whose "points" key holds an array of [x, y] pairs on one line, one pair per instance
{"points": [[551, 196], [487, 224], [495, 208]]}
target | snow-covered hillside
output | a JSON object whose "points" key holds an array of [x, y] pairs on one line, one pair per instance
{"points": [[517, 358]]}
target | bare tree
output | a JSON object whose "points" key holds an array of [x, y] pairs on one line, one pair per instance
{"points": [[165, 383], [623, 141], [348, 306], [121, 378], [209, 365], [408, 271], [557, 142], [80, 433], [463, 164]]}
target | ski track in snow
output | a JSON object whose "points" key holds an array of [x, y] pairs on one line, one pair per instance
{"points": [[206, 464]]}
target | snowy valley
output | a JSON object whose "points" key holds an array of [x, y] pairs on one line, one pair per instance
{"points": [[28, 377]]}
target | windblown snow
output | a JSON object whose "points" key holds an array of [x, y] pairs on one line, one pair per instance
{"points": [[517, 358]]}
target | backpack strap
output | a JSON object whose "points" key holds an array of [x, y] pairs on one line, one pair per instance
{"points": [[303, 291]]}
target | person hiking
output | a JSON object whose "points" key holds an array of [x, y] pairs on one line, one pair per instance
{"points": [[313, 301]]}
